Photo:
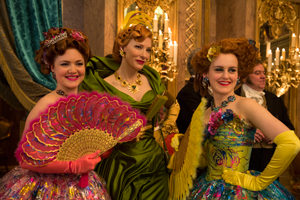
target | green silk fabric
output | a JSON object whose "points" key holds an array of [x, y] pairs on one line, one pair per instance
{"points": [[134, 170]]}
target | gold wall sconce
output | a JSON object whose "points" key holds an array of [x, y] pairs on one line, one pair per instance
{"points": [[279, 16]]}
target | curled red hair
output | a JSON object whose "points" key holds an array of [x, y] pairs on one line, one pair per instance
{"points": [[244, 52], [49, 53], [137, 32]]}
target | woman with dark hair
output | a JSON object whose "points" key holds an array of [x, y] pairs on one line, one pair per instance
{"points": [[134, 170], [64, 52], [230, 127]]}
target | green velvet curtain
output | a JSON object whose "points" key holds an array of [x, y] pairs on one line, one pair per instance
{"points": [[16, 84], [29, 18]]}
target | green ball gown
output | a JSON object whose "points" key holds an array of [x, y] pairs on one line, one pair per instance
{"points": [[134, 170]]}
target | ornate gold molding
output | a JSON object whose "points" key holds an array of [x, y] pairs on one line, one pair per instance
{"points": [[190, 27], [149, 6], [277, 13]]}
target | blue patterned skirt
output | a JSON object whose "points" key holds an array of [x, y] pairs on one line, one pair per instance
{"points": [[218, 189]]}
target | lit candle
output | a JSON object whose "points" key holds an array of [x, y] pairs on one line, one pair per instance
{"points": [[283, 54], [136, 8], [293, 40], [277, 56], [160, 39], [175, 53], [166, 23], [171, 50], [268, 49], [270, 61], [155, 23], [170, 34]]}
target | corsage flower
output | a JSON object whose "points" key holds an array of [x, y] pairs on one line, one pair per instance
{"points": [[217, 119]]}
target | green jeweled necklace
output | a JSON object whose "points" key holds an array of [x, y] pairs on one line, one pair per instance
{"points": [[131, 87], [231, 98]]}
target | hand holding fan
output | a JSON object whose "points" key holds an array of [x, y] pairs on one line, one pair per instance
{"points": [[77, 126]]}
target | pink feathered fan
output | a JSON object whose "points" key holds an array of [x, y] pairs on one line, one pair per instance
{"points": [[79, 125]]}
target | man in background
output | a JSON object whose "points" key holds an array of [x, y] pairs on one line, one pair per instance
{"points": [[187, 98], [263, 148]]}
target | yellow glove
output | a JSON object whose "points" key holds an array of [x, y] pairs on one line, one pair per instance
{"points": [[288, 146], [175, 141], [169, 125]]}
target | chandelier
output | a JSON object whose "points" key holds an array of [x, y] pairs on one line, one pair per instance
{"points": [[164, 51], [285, 72]]}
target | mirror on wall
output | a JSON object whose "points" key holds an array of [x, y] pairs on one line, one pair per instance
{"points": [[276, 19], [282, 41], [158, 12]]}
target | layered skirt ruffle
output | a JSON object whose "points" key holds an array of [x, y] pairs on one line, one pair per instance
{"points": [[24, 184]]}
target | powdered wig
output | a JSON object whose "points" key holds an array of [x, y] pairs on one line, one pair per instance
{"points": [[137, 32], [244, 52], [45, 56]]}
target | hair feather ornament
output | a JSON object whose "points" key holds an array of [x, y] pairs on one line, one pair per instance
{"points": [[137, 17]]}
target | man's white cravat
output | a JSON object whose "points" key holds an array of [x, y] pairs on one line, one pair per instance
{"points": [[254, 94]]}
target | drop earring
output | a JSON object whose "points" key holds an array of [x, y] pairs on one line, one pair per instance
{"points": [[122, 53], [53, 75], [205, 81]]}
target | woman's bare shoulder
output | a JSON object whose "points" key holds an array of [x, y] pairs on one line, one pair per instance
{"points": [[41, 106]]}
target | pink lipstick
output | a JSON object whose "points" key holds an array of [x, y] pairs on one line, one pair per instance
{"points": [[72, 78], [140, 62]]}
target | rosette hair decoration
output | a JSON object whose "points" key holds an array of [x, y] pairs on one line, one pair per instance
{"points": [[213, 52]]}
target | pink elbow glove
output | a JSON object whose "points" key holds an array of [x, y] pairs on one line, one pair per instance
{"points": [[84, 164]]}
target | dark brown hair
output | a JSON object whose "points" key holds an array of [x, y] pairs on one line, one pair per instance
{"points": [[45, 56], [244, 52], [137, 32]]}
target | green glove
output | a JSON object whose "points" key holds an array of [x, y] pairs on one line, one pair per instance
{"points": [[288, 146]]}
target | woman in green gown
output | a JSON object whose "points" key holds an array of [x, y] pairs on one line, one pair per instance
{"points": [[137, 169]]}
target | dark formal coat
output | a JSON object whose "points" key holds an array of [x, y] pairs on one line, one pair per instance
{"points": [[276, 107], [188, 100]]}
